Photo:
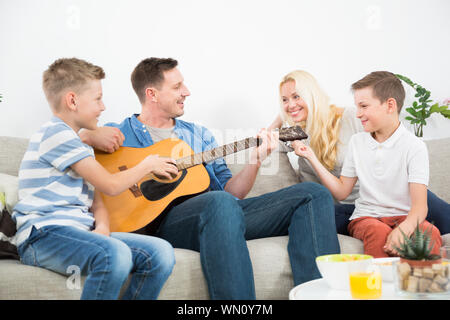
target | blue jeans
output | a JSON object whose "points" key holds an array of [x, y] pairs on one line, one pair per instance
{"points": [[107, 261], [438, 213], [217, 225]]}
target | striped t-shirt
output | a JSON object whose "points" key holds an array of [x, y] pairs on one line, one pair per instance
{"points": [[50, 192]]}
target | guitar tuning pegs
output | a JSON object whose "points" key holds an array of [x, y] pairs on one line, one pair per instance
{"points": [[292, 133]]}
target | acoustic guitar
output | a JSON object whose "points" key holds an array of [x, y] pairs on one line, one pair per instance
{"points": [[141, 204]]}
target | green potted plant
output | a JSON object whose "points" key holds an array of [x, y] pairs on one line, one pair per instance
{"points": [[422, 108], [417, 247], [419, 271]]}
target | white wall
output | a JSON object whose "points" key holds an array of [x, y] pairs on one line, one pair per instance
{"points": [[232, 53]]}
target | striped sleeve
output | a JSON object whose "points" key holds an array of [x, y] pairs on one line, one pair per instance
{"points": [[62, 147]]}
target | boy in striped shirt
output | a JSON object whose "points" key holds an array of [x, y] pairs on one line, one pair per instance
{"points": [[60, 217]]}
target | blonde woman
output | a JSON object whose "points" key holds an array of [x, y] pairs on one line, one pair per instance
{"points": [[329, 129]]}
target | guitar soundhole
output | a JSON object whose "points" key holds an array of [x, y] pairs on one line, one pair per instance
{"points": [[154, 190], [164, 178]]}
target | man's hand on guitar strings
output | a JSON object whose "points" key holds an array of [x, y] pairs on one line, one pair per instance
{"points": [[269, 143]]}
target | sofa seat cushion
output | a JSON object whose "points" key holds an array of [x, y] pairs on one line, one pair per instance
{"points": [[271, 266], [22, 282]]}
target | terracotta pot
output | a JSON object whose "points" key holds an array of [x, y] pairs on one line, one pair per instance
{"points": [[420, 263]]}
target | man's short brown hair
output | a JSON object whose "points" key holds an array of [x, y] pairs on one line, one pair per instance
{"points": [[150, 72], [68, 73], [384, 85]]}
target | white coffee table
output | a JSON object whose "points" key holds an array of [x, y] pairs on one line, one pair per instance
{"points": [[319, 290]]}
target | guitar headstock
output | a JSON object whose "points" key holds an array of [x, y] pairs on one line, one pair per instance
{"points": [[292, 133]]}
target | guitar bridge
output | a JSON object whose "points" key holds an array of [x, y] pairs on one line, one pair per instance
{"points": [[134, 188]]}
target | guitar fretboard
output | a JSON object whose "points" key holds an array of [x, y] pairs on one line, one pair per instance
{"points": [[219, 152]]}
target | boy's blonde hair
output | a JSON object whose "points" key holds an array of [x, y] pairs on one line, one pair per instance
{"points": [[68, 73], [323, 122], [385, 85]]}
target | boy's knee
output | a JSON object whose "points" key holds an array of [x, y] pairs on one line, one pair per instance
{"points": [[377, 230], [435, 236], [369, 228], [165, 257], [430, 227], [113, 256]]}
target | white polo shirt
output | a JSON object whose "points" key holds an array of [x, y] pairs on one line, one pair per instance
{"points": [[384, 171]]}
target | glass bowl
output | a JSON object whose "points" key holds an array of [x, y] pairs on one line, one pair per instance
{"points": [[422, 282]]}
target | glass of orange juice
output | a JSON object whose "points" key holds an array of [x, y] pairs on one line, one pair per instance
{"points": [[365, 283]]}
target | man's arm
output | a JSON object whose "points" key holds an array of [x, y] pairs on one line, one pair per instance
{"points": [[107, 139], [241, 184]]}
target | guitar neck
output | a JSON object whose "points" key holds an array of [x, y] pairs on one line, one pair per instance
{"points": [[219, 152]]}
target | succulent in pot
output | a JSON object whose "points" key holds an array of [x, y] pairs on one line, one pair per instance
{"points": [[418, 269]]}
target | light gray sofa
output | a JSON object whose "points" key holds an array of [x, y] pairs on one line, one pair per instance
{"points": [[271, 267]]}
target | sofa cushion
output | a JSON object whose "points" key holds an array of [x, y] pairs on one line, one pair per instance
{"points": [[270, 260], [22, 282], [439, 152], [11, 154], [187, 272], [273, 276], [9, 186], [275, 173]]}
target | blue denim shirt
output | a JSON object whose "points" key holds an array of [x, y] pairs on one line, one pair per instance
{"points": [[198, 137]]}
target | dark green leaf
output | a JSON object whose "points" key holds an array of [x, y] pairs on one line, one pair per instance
{"points": [[412, 112]]}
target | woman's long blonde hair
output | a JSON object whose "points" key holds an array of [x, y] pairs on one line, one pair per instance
{"points": [[323, 122]]}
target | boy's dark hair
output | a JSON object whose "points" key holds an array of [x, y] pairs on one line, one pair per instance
{"points": [[384, 85], [150, 72], [68, 73]]}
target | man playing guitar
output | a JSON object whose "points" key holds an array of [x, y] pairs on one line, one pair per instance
{"points": [[217, 223]]}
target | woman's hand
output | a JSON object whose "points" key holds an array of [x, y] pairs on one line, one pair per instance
{"points": [[303, 150]]}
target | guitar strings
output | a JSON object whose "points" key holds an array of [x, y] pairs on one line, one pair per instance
{"points": [[218, 152]]}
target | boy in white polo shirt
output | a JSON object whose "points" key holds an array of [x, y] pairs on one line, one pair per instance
{"points": [[391, 165]]}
